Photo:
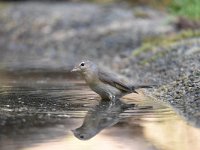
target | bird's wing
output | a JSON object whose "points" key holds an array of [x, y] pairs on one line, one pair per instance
{"points": [[114, 81]]}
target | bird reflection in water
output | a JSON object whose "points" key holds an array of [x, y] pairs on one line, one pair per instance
{"points": [[105, 114]]}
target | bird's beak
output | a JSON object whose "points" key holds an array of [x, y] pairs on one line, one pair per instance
{"points": [[75, 69]]}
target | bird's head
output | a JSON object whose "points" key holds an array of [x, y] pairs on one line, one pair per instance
{"points": [[85, 66]]}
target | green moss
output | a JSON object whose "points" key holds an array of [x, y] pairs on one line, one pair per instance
{"points": [[187, 8], [157, 44], [3, 5], [149, 44], [154, 57], [141, 14], [145, 47]]}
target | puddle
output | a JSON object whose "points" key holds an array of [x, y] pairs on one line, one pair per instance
{"points": [[54, 111]]}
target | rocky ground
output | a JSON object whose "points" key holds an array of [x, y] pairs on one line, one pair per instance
{"points": [[176, 69], [139, 42]]}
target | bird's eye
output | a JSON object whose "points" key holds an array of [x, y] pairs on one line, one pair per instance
{"points": [[81, 136], [82, 64]]}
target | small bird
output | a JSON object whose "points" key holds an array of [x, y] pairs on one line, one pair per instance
{"points": [[107, 85]]}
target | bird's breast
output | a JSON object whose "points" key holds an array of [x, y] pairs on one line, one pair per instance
{"points": [[90, 78]]}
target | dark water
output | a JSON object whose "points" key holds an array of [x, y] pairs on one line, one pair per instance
{"points": [[48, 111]]}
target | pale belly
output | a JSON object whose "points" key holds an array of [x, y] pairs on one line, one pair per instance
{"points": [[105, 91]]}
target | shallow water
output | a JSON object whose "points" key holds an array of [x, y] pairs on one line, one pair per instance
{"points": [[56, 111]]}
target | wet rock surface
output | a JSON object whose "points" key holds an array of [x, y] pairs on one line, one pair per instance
{"points": [[175, 70], [183, 94]]}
